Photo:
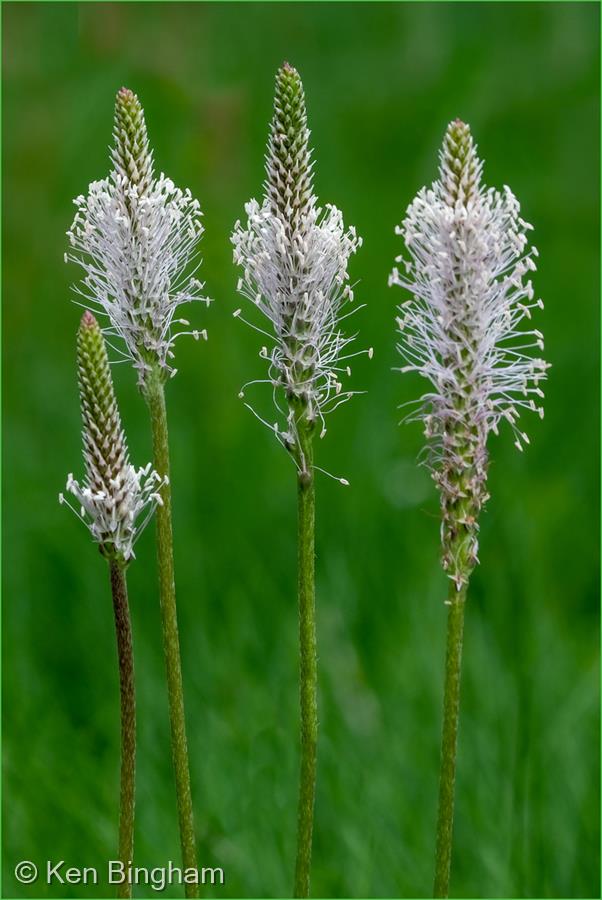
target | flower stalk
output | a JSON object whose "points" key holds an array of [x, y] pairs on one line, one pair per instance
{"points": [[467, 269], [125, 653], [155, 398], [136, 237], [449, 739], [294, 256], [308, 663], [112, 498]]}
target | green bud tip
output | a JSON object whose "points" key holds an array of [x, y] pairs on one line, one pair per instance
{"points": [[288, 165], [460, 168], [95, 382], [88, 320], [131, 153]]}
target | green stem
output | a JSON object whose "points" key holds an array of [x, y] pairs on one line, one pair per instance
{"points": [[308, 675], [125, 655], [155, 398], [449, 739]]}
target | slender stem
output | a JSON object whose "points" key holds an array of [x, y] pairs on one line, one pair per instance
{"points": [[308, 673], [123, 630], [155, 397], [449, 739]]}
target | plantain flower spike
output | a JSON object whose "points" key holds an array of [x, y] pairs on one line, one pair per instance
{"points": [[465, 330], [136, 235], [294, 257], [114, 500]]}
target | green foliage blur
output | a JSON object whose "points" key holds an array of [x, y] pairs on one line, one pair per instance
{"points": [[382, 81]]}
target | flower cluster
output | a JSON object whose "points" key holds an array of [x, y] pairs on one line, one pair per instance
{"points": [[113, 494], [294, 257], [464, 330], [135, 236]]}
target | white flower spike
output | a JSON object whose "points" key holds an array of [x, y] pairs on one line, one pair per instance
{"points": [[113, 495], [467, 268], [294, 257], [136, 237]]}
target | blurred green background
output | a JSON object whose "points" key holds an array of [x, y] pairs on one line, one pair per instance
{"points": [[382, 81]]}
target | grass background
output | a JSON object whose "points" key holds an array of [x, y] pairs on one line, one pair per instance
{"points": [[382, 81]]}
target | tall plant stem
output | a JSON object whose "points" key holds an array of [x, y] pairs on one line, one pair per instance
{"points": [[449, 739], [308, 671], [155, 398], [125, 655]]}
